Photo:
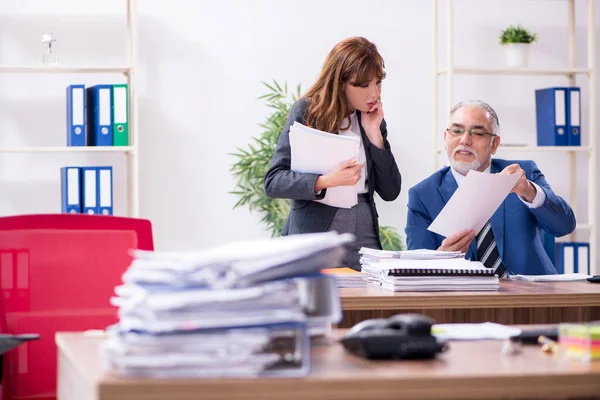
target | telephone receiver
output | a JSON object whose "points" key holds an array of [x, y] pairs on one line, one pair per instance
{"points": [[401, 336]]}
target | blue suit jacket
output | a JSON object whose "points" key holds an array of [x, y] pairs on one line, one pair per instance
{"points": [[516, 227]]}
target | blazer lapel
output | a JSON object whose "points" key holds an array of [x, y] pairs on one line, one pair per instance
{"points": [[497, 220], [446, 189]]}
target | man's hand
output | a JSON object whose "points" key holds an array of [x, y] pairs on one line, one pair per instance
{"points": [[459, 241], [523, 187]]}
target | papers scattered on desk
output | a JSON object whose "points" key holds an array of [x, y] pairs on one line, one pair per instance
{"points": [[483, 331], [238, 310], [473, 203], [318, 152], [551, 278], [421, 254], [426, 271]]}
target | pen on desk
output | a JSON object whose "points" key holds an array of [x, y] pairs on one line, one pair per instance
{"points": [[548, 345]]}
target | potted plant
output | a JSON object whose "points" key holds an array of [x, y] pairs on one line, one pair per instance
{"points": [[516, 41], [252, 164]]}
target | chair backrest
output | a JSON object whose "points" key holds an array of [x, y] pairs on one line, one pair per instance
{"points": [[142, 227], [55, 280]]}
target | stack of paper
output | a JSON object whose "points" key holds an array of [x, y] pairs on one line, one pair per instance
{"points": [[422, 271], [244, 309], [347, 277], [318, 152]]}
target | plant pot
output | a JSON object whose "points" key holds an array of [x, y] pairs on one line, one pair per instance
{"points": [[517, 54]]}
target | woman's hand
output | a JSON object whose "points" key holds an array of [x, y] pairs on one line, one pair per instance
{"points": [[345, 174], [371, 121]]}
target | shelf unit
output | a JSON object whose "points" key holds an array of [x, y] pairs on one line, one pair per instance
{"points": [[449, 70], [131, 151]]}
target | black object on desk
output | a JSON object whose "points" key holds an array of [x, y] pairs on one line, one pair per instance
{"points": [[530, 336], [402, 336], [594, 279]]}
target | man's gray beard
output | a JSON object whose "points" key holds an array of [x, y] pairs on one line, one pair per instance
{"points": [[463, 167]]}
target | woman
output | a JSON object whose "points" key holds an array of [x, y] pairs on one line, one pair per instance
{"points": [[345, 100]]}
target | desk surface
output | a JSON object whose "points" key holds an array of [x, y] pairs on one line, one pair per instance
{"points": [[473, 370], [512, 293]]}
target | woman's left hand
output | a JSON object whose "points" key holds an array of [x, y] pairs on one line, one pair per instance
{"points": [[371, 122]]}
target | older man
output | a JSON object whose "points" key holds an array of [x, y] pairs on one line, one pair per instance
{"points": [[511, 241]]}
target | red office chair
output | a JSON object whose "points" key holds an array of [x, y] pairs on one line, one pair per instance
{"points": [[142, 227], [55, 280]]}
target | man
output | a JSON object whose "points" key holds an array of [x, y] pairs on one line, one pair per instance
{"points": [[512, 240]]}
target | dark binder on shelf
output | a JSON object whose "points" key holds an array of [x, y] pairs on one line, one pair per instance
{"points": [[574, 116], [70, 193], [551, 116], [99, 115], [76, 135]]}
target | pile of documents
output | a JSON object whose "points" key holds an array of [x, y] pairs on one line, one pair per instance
{"points": [[425, 271], [317, 152], [347, 277], [239, 310]]}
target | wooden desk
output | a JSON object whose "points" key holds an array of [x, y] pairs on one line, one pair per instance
{"points": [[469, 370], [517, 302]]}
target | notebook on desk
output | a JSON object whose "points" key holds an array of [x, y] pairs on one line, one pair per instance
{"points": [[446, 267]]}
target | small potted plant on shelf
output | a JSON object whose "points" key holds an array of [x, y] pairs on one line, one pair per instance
{"points": [[516, 41]]}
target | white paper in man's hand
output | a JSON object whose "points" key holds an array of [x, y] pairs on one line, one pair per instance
{"points": [[474, 202]]}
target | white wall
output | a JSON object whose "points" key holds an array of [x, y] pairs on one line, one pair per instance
{"points": [[200, 68]]}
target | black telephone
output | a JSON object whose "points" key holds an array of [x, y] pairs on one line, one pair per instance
{"points": [[402, 336]]}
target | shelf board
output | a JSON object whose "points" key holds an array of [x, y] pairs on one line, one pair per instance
{"points": [[68, 149], [583, 226], [64, 69], [547, 149], [516, 71]]}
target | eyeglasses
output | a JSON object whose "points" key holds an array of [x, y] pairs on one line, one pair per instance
{"points": [[478, 133]]}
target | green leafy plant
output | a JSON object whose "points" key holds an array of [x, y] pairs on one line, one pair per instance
{"points": [[252, 164], [517, 34]]}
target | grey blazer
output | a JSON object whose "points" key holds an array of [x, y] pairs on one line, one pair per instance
{"points": [[307, 216]]}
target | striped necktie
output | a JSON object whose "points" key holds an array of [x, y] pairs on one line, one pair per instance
{"points": [[487, 251]]}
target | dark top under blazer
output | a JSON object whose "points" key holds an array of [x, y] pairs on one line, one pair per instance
{"points": [[307, 216]]}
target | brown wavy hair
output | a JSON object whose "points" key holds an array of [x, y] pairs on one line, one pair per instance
{"points": [[355, 61]]}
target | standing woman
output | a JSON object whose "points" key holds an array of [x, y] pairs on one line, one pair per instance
{"points": [[345, 100]]}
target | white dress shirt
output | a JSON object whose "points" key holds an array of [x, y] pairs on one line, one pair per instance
{"points": [[538, 200], [354, 130]]}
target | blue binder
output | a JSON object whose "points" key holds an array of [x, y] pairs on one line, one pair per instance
{"points": [[76, 135], [564, 260], [582, 257], [99, 115], [551, 116], [89, 190], [105, 190], [574, 116], [70, 189]]}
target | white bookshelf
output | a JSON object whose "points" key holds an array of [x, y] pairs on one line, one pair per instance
{"points": [[68, 149], [449, 70], [36, 69], [128, 69]]}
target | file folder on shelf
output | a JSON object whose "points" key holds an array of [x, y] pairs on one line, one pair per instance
{"points": [[582, 258], [89, 193], [99, 116], [551, 116], [572, 258], [76, 134], [120, 115], [70, 184], [574, 116], [105, 191]]}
